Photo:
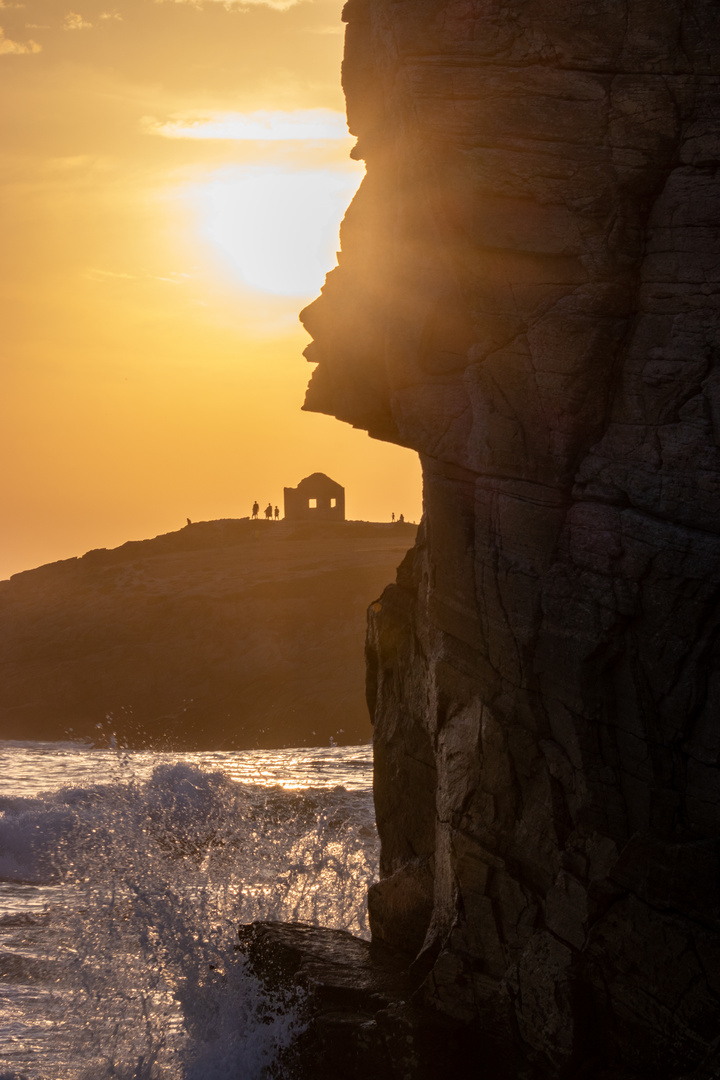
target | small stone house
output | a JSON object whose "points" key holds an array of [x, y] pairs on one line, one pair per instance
{"points": [[316, 498]]}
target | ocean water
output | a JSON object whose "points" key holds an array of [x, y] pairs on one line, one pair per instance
{"points": [[123, 879]]}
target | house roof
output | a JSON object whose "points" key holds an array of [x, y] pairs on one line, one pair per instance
{"points": [[319, 479]]}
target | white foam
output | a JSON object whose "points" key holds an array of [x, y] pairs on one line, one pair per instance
{"points": [[155, 870]]}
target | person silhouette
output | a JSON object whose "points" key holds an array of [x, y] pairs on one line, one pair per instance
{"points": [[401, 519], [268, 512], [277, 512], [256, 509], [392, 516]]}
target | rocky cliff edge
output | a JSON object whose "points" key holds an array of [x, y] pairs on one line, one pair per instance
{"points": [[527, 294]]}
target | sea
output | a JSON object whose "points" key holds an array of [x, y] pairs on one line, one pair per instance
{"points": [[123, 880]]}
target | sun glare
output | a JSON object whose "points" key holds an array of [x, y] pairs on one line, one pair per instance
{"points": [[277, 228], [321, 125]]}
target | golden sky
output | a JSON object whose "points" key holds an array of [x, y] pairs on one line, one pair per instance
{"points": [[173, 176]]}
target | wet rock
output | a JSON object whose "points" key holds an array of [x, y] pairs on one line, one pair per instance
{"points": [[528, 295], [357, 1002]]}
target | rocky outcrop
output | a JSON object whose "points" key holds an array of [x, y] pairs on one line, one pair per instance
{"points": [[225, 634], [354, 1008], [527, 294]]}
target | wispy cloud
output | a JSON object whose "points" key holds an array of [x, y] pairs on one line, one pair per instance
{"points": [[17, 48], [79, 163], [177, 277], [261, 126], [97, 274], [279, 5], [174, 277], [112, 15], [73, 21]]}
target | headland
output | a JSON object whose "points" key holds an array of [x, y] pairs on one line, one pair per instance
{"points": [[226, 634]]}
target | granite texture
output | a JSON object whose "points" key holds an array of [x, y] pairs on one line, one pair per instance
{"points": [[527, 295]]}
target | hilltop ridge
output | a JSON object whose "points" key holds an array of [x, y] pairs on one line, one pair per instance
{"points": [[228, 633]]}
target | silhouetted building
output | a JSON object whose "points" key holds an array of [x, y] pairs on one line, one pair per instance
{"points": [[316, 498]]}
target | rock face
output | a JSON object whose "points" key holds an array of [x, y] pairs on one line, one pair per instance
{"points": [[527, 294], [224, 634]]}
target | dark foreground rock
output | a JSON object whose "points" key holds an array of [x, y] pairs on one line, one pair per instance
{"points": [[528, 294], [357, 1000], [224, 634], [364, 1017]]}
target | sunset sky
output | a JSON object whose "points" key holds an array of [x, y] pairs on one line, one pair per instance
{"points": [[173, 176]]}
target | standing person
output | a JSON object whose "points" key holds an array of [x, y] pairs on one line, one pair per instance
{"points": [[392, 518], [256, 509], [277, 513], [268, 512]]}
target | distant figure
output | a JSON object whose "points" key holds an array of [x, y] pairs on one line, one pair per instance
{"points": [[268, 512], [277, 512], [392, 516], [256, 508], [189, 521], [401, 519]]}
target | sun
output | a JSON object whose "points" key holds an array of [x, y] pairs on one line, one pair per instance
{"points": [[277, 228]]}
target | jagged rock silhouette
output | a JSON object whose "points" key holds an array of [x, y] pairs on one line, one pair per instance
{"points": [[528, 295]]}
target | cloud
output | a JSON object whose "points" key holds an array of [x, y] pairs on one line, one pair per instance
{"points": [[261, 126], [102, 275], [114, 15], [174, 277], [73, 21], [177, 277], [79, 162], [242, 5], [8, 47]]}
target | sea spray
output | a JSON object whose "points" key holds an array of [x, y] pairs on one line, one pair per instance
{"points": [[152, 874]]}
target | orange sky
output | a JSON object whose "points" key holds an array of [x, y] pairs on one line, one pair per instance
{"points": [[173, 175]]}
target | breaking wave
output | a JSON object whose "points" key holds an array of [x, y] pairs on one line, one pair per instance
{"points": [[145, 883]]}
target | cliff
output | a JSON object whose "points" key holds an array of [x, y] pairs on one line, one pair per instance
{"points": [[225, 634], [527, 295]]}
